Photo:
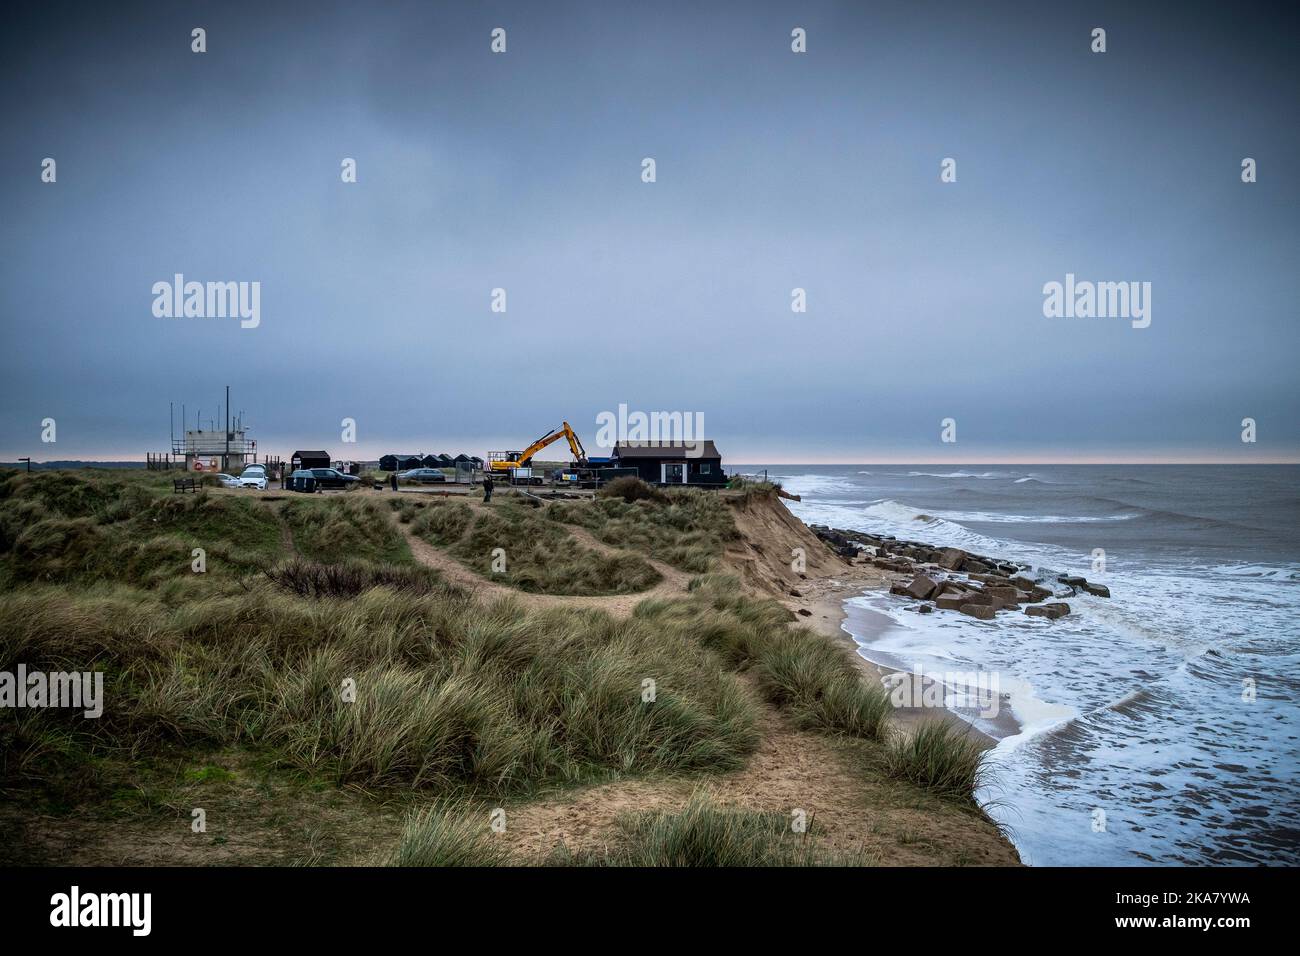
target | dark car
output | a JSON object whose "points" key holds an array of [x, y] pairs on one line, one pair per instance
{"points": [[333, 478], [423, 476]]}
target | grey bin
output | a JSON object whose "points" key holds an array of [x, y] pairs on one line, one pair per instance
{"points": [[305, 483]]}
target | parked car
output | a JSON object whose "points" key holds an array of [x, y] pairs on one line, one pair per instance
{"points": [[254, 476], [228, 481], [333, 478], [422, 476]]}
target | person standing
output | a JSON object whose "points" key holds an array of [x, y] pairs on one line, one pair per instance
{"points": [[487, 488]]}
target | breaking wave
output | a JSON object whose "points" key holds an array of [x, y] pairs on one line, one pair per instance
{"points": [[1138, 694], [958, 474], [999, 517]]}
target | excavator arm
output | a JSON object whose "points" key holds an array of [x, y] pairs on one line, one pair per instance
{"points": [[526, 456], [575, 445]]}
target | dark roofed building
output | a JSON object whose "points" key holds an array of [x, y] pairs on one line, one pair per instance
{"points": [[672, 463], [399, 462], [310, 459]]}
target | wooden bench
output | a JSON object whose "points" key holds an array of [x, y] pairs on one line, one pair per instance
{"points": [[182, 485]]}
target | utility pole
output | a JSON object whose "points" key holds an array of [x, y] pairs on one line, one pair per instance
{"points": [[225, 459]]}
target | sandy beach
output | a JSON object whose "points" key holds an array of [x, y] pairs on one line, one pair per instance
{"points": [[825, 599]]}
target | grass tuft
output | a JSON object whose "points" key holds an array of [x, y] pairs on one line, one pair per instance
{"points": [[448, 836], [939, 756], [350, 578], [703, 834], [631, 489]]}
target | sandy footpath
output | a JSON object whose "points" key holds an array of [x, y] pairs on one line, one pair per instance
{"points": [[886, 822]]}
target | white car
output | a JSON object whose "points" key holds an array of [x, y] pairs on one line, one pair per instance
{"points": [[254, 476], [228, 481]]}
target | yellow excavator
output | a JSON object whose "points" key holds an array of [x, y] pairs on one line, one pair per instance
{"points": [[501, 462]]}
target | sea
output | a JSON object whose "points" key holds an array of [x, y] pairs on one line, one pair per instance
{"points": [[1158, 726]]}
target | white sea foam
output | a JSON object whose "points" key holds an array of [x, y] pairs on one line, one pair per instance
{"points": [[1139, 697], [958, 474], [997, 517], [815, 484], [887, 516], [1271, 572]]}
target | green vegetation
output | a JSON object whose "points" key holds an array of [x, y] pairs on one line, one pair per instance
{"points": [[443, 836], [327, 529], [701, 834], [317, 647], [806, 675], [631, 490], [350, 578], [800, 671], [117, 526], [444, 523], [704, 834], [449, 694], [751, 485], [406, 508], [108, 495], [539, 555], [940, 757], [208, 774], [686, 528]]}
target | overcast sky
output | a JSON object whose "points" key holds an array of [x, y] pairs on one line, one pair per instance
{"points": [[775, 170]]}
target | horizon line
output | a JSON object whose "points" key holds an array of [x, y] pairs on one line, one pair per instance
{"points": [[837, 463]]}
